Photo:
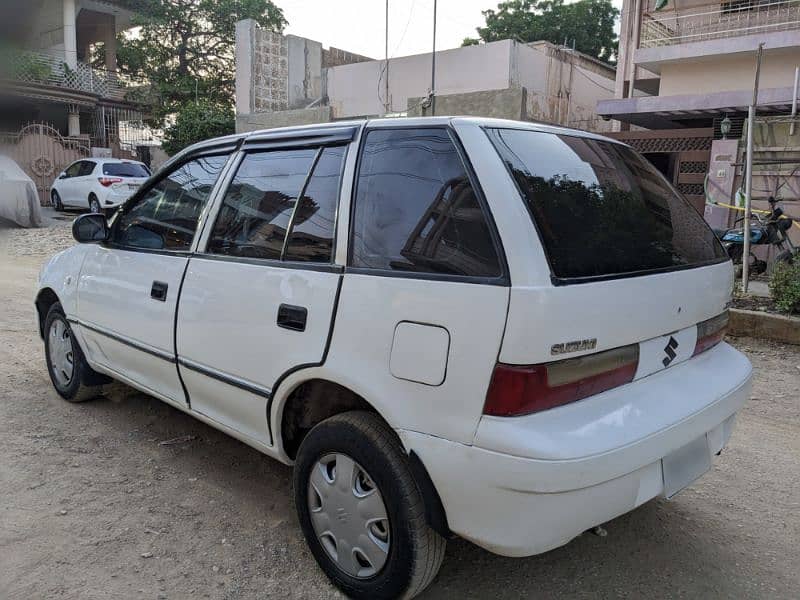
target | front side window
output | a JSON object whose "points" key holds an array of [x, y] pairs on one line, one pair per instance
{"points": [[166, 214], [261, 206], [416, 210], [602, 210], [73, 169]]}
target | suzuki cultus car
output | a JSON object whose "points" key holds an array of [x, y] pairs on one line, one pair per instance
{"points": [[450, 327]]}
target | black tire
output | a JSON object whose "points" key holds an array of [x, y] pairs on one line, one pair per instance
{"points": [[416, 551], [56, 198], [94, 204], [84, 382]]}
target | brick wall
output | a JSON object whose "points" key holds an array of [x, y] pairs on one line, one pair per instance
{"points": [[336, 57]]}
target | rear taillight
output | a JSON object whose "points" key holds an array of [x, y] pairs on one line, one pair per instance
{"points": [[522, 390], [710, 333], [107, 181]]}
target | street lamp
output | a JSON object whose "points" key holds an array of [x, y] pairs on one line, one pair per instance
{"points": [[725, 127]]}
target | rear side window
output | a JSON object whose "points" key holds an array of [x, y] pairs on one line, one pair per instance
{"points": [[87, 167], [165, 215], [125, 170], [602, 210], [416, 209], [312, 232], [258, 205]]}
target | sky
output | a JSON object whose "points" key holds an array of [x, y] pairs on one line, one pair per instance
{"points": [[359, 25]]}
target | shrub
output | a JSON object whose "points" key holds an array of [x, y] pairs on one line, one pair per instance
{"points": [[785, 286], [196, 122]]}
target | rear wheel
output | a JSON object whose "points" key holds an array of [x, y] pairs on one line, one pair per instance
{"points": [[94, 204], [71, 375], [56, 198], [361, 511]]}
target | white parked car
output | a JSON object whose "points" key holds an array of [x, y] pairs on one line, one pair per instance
{"points": [[98, 184], [449, 326]]}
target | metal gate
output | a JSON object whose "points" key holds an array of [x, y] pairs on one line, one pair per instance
{"points": [[42, 152]]}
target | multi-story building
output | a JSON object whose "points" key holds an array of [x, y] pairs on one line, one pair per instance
{"points": [[61, 97], [684, 67], [288, 80]]}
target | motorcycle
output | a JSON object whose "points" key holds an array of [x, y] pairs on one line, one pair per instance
{"points": [[771, 229]]}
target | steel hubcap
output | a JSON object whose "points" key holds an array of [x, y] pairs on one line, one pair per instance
{"points": [[348, 515], [61, 356]]}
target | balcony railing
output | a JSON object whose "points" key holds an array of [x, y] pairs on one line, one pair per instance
{"points": [[50, 69], [725, 20]]}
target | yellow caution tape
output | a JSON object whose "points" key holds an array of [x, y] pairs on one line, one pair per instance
{"points": [[755, 210], [739, 208]]}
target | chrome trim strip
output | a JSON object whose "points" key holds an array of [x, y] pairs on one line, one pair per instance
{"points": [[157, 352], [238, 382]]}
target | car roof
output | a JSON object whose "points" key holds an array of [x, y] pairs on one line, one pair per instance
{"points": [[292, 131]]}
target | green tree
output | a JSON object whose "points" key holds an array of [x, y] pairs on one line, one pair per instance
{"points": [[588, 24], [198, 121], [184, 49]]}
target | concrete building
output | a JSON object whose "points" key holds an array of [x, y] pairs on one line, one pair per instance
{"points": [[57, 104], [684, 68], [286, 80]]}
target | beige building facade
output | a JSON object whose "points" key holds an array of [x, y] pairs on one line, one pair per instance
{"points": [[686, 67], [61, 97]]}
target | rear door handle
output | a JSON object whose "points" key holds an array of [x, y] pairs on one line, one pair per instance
{"points": [[159, 291], [292, 317]]}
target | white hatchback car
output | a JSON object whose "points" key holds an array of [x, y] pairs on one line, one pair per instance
{"points": [[98, 184], [450, 326]]}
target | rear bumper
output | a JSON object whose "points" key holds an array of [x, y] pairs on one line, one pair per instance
{"points": [[116, 197], [525, 499]]}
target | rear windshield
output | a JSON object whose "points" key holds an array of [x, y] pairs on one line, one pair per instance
{"points": [[125, 170], [601, 210]]}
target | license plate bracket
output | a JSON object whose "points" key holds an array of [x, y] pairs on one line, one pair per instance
{"points": [[685, 465]]}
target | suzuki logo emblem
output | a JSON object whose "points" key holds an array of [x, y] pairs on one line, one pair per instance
{"points": [[669, 350]]}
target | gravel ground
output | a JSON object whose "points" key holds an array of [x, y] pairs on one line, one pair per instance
{"points": [[94, 504]]}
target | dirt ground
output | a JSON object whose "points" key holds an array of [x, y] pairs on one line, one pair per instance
{"points": [[94, 505]]}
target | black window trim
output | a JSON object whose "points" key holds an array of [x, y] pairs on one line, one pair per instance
{"points": [[562, 281], [503, 279], [159, 177], [330, 266]]}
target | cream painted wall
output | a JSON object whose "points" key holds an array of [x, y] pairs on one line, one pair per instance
{"points": [[729, 73], [353, 89]]}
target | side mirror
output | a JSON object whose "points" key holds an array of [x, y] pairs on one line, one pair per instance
{"points": [[62, 176], [90, 228]]}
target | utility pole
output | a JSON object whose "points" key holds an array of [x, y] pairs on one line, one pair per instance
{"points": [[387, 106], [748, 174], [794, 98], [433, 64]]}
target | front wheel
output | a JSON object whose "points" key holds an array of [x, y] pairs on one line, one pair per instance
{"points": [[361, 511], [56, 198], [71, 375]]}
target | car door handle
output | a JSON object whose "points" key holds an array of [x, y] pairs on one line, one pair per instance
{"points": [[159, 291], [292, 317]]}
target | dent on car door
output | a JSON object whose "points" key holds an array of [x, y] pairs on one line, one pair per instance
{"points": [[128, 288], [259, 301]]}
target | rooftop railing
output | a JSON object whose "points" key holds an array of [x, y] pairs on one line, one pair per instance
{"points": [[724, 20]]}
